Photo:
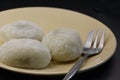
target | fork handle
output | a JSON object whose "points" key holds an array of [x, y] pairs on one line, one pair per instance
{"points": [[76, 67]]}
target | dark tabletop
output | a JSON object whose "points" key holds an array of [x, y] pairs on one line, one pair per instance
{"points": [[106, 11]]}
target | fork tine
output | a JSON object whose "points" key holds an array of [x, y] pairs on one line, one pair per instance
{"points": [[96, 39], [89, 39], [101, 44]]}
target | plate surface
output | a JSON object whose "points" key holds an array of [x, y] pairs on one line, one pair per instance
{"points": [[53, 18]]}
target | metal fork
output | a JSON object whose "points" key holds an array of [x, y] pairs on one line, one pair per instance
{"points": [[90, 48]]}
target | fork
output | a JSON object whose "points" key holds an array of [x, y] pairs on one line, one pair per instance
{"points": [[91, 47]]}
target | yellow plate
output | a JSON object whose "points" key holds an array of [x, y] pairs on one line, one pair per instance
{"points": [[52, 18]]}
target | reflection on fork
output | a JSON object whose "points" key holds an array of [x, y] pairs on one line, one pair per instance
{"points": [[92, 46]]}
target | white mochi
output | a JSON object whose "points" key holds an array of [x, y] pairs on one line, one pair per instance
{"points": [[21, 29], [64, 44], [25, 53]]}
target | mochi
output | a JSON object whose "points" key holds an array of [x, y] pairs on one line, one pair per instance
{"points": [[64, 44], [20, 29], [25, 53]]}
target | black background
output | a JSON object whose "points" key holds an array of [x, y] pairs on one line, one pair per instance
{"points": [[106, 11]]}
